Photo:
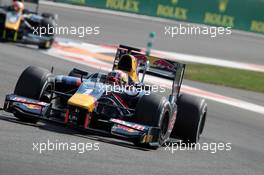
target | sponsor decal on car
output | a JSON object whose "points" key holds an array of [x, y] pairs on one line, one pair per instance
{"points": [[126, 128], [164, 64], [172, 122], [130, 125], [31, 106], [34, 105]]}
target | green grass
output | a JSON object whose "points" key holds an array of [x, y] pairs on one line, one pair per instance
{"points": [[242, 79]]}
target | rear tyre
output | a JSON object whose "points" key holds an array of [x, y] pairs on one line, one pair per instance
{"points": [[154, 110], [49, 16], [46, 45], [190, 119], [48, 24], [31, 84]]}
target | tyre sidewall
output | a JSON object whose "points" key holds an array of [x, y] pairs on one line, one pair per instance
{"points": [[190, 118], [31, 84]]}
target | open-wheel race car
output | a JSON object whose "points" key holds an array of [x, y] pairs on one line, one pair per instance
{"points": [[21, 25], [111, 102]]}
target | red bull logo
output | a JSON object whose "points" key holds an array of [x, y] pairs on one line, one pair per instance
{"points": [[164, 64]]}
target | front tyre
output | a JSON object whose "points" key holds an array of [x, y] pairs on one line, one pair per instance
{"points": [[49, 16], [154, 110], [32, 83], [46, 45], [49, 25]]}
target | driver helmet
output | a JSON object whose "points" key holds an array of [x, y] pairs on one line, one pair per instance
{"points": [[117, 77], [18, 6]]}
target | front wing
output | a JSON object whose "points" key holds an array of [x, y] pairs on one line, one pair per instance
{"points": [[120, 128]]}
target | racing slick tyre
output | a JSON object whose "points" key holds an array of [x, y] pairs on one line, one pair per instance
{"points": [[32, 83], [49, 16], [190, 119], [48, 24], [154, 110], [46, 45]]}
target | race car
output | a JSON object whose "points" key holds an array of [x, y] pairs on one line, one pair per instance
{"points": [[21, 25], [118, 103]]}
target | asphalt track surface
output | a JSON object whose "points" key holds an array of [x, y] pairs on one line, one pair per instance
{"points": [[224, 124]]}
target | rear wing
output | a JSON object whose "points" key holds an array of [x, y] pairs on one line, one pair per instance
{"points": [[167, 69], [155, 66]]}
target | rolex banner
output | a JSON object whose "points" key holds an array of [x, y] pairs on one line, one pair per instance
{"points": [[245, 15]]}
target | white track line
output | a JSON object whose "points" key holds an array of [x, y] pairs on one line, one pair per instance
{"points": [[169, 55], [212, 61]]}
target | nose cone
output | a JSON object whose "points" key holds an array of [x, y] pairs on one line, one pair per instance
{"points": [[84, 101]]}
